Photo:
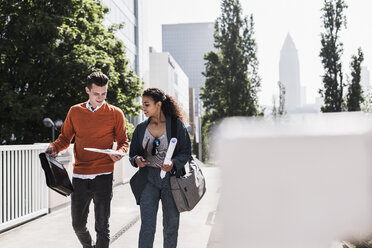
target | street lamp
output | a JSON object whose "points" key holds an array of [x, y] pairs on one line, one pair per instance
{"points": [[54, 125]]}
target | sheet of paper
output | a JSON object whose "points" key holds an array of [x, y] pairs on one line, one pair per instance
{"points": [[107, 151], [169, 154]]}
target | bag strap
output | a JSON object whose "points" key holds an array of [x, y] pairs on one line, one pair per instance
{"points": [[174, 128], [174, 171]]}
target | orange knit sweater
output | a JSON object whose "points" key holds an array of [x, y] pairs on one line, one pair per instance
{"points": [[96, 129]]}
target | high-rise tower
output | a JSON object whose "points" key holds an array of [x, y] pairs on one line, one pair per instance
{"points": [[289, 74], [364, 81]]}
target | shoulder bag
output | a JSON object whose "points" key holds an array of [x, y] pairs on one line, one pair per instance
{"points": [[187, 187]]}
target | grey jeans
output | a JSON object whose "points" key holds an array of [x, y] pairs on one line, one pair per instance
{"points": [[149, 205], [99, 190]]}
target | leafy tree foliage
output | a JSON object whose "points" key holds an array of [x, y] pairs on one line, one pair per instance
{"points": [[366, 106], [274, 110], [333, 20], [232, 80], [280, 110], [355, 93], [205, 136], [47, 49]]}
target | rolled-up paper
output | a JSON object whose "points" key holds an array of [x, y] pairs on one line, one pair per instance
{"points": [[168, 155]]}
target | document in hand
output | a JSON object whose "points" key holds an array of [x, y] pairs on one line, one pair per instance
{"points": [[107, 151], [168, 155]]}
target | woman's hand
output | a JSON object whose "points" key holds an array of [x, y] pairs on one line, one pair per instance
{"points": [[115, 158], [141, 162], [167, 167]]}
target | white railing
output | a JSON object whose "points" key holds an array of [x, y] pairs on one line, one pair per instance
{"points": [[23, 194]]}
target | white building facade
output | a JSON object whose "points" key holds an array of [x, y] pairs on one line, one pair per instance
{"points": [[133, 14], [166, 74]]}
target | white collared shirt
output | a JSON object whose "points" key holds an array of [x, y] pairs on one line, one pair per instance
{"points": [[91, 108], [92, 176]]}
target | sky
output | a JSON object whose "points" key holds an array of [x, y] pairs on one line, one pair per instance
{"points": [[274, 19]]}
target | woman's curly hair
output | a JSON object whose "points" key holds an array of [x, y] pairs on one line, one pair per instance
{"points": [[169, 103]]}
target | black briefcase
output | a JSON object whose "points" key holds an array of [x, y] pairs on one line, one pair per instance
{"points": [[56, 175]]}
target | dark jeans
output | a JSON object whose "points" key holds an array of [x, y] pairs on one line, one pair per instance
{"points": [[100, 190], [149, 208]]}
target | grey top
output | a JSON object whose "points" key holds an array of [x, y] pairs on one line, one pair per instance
{"points": [[155, 161], [148, 144]]}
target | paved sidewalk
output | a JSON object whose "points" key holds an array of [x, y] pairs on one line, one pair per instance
{"points": [[55, 230]]}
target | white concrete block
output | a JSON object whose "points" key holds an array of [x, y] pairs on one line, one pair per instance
{"points": [[301, 181]]}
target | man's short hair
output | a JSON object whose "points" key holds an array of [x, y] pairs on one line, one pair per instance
{"points": [[97, 78]]}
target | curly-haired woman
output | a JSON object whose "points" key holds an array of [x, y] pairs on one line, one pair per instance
{"points": [[147, 151]]}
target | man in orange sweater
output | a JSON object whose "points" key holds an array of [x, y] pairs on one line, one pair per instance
{"points": [[95, 124]]}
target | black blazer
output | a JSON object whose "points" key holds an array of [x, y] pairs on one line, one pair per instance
{"points": [[180, 156]]}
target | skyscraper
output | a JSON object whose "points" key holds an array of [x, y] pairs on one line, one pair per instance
{"points": [[364, 81], [188, 43], [289, 75]]}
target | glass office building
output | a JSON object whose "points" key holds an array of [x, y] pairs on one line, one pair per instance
{"points": [[134, 34], [132, 14], [187, 43]]}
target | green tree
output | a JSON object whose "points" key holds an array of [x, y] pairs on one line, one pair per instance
{"points": [[333, 20], [232, 81], [280, 110], [367, 100], [355, 93], [274, 110], [47, 49], [231, 72], [205, 136], [250, 55]]}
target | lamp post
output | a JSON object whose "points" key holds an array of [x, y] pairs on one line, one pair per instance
{"points": [[54, 125]]}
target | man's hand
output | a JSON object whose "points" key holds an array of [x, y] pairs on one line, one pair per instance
{"points": [[115, 157], [167, 167], [50, 150], [141, 162]]}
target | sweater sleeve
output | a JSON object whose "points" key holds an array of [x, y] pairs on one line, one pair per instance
{"points": [[121, 132], [67, 133]]}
